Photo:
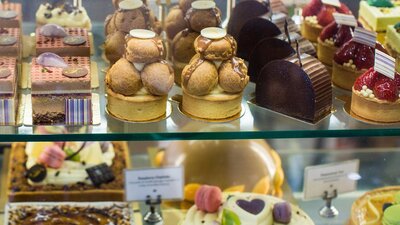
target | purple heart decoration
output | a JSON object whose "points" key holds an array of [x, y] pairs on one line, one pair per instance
{"points": [[254, 206]]}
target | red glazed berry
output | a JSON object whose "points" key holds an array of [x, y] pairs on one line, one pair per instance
{"points": [[386, 89]]}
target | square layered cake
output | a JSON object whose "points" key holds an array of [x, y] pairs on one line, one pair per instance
{"points": [[10, 15], [8, 95], [10, 42], [75, 44], [71, 213], [62, 95], [393, 43], [378, 18], [89, 171]]}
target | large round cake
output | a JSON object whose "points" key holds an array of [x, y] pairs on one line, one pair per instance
{"points": [[242, 209]]}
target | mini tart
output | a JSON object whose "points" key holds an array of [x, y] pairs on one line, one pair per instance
{"points": [[361, 212], [212, 106], [344, 77], [310, 31], [136, 108], [325, 52], [375, 109]]}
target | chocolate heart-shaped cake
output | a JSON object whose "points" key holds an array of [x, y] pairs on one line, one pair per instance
{"points": [[254, 206]]}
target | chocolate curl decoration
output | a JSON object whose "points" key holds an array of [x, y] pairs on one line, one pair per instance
{"points": [[75, 3], [287, 32], [79, 4], [298, 53], [76, 153]]}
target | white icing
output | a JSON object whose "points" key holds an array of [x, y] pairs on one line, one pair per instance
{"points": [[63, 18], [203, 4], [71, 172], [130, 4], [139, 66], [213, 33], [142, 33]]}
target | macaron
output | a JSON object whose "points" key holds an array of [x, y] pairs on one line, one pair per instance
{"points": [[391, 216], [52, 157], [208, 198]]}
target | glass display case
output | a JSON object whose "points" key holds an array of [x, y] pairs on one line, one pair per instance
{"points": [[258, 150]]}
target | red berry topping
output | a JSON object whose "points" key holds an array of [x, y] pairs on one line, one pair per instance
{"points": [[346, 52], [329, 31], [386, 89], [343, 35], [344, 9], [312, 8], [397, 79], [365, 57], [368, 78], [325, 16]]}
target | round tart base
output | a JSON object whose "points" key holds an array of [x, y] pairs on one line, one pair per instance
{"points": [[344, 77], [358, 209], [375, 109], [310, 31], [325, 52], [136, 108], [212, 107]]}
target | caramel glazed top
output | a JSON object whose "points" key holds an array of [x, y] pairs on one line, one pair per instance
{"points": [[68, 215]]}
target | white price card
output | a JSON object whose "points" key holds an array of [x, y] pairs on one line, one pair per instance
{"points": [[341, 176], [144, 183], [335, 3]]}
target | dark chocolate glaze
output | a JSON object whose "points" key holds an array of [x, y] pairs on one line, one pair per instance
{"points": [[265, 51], [252, 32], [244, 11], [301, 92]]}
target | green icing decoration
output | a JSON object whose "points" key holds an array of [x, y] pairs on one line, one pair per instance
{"points": [[391, 216], [230, 218], [397, 27], [381, 3], [70, 152]]}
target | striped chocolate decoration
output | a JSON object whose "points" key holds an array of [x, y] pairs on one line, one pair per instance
{"points": [[364, 36], [78, 111], [7, 114], [385, 64], [345, 19]]}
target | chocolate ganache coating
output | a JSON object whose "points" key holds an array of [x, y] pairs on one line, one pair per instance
{"points": [[253, 32], [244, 11], [301, 92], [265, 51]]}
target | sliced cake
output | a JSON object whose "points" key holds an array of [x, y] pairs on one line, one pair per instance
{"points": [[8, 91], [61, 90], [62, 41]]}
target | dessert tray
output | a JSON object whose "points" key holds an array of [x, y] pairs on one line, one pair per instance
{"points": [[110, 213]]}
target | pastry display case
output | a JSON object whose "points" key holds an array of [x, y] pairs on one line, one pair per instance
{"points": [[92, 88]]}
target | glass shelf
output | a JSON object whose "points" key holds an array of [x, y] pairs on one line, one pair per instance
{"points": [[255, 122]]}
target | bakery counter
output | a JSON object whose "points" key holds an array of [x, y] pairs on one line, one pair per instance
{"points": [[254, 122]]}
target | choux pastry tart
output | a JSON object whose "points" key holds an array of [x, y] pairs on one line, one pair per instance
{"points": [[138, 84], [200, 15], [214, 80]]}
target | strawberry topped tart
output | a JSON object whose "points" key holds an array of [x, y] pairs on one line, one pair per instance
{"points": [[351, 60], [318, 15], [375, 97], [331, 38]]}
